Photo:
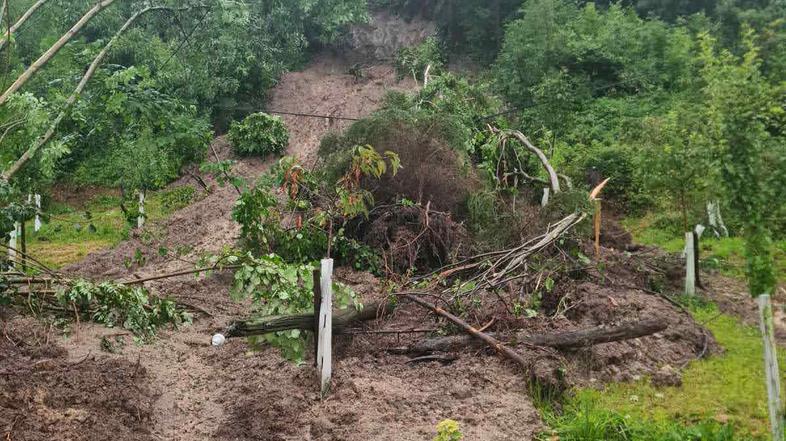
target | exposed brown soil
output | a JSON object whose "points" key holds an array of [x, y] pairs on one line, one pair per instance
{"points": [[46, 395], [181, 388]]}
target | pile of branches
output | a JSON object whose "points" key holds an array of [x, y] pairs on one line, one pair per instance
{"points": [[413, 238], [496, 269]]}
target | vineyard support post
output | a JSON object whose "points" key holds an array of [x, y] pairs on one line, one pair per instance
{"points": [[140, 220], [12, 245], [317, 307], [690, 265], [597, 227], [771, 366], [37, 222], [324, 348]]}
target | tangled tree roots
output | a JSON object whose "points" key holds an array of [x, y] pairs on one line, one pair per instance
{"points": [[414, 237]]}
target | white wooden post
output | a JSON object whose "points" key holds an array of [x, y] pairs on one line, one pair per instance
{"points": [[690, 265], [37, 223], [545, 200], [140, 220], [324, 347], [12, 244], [770, 366], [715, 219]]}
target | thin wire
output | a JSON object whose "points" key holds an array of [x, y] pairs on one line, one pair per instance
{"points": [[186, 39], [310, 115]]}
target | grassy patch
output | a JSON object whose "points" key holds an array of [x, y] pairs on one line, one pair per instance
{"points": [[721, 394], [72, 233], [726, 255]]}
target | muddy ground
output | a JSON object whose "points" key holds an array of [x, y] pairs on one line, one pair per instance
{"points": [[180, 388]]}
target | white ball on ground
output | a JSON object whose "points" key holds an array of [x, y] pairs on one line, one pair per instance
{"points": [[218, 340]]}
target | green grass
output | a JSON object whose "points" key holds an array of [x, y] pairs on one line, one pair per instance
{"points": [[726, 255], [72, 233], [719, 394]]}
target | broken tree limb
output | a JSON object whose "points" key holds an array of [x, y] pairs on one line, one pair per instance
{"points": [[40, 142], [305, 322], [485, 338], [507, 134], [560, 340], [12, 30]]}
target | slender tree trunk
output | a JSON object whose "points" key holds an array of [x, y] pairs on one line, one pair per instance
{"points": [[12, 29], [43, 59], [7, 174]]}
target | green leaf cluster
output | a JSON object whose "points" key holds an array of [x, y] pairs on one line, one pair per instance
{"points": [[259, 134], [131, 307]]}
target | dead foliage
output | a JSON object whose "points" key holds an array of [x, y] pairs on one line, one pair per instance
{"points": [[413, 238]]}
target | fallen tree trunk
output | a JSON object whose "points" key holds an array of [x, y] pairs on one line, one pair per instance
{"points": [[69, 103], [559, 340], [305, 322], [485, 338], [43, 59], [12, 29]]}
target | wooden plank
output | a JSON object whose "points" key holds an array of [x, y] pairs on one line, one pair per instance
{"points": [[325, 349], [770, 366]]}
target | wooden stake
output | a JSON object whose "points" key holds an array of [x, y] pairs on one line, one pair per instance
{"points": [[37, 222], [23, 245], [324, 349], [771, 366], [690, 265], [545, 200], [597, 227], [12, 245], [317, 306], [140, 220]]}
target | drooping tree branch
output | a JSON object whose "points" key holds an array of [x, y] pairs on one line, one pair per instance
{"points": [[52, 51], [504, 135], [12, 30], [15, 167]]}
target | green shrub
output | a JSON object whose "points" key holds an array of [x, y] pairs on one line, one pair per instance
{"points": [[448, 430], [259, 134]]}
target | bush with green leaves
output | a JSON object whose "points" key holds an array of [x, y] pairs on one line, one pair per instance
{"points": [[277, 287], [448, 430], [259, 134], [309, 224]]}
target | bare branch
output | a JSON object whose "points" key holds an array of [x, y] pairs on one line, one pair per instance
{"points": [[12, 30]]}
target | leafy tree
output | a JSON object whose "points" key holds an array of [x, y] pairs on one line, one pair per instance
{"points": [[745, 119]]}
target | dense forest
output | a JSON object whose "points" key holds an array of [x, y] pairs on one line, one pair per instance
{"points": [[480, 172]]}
